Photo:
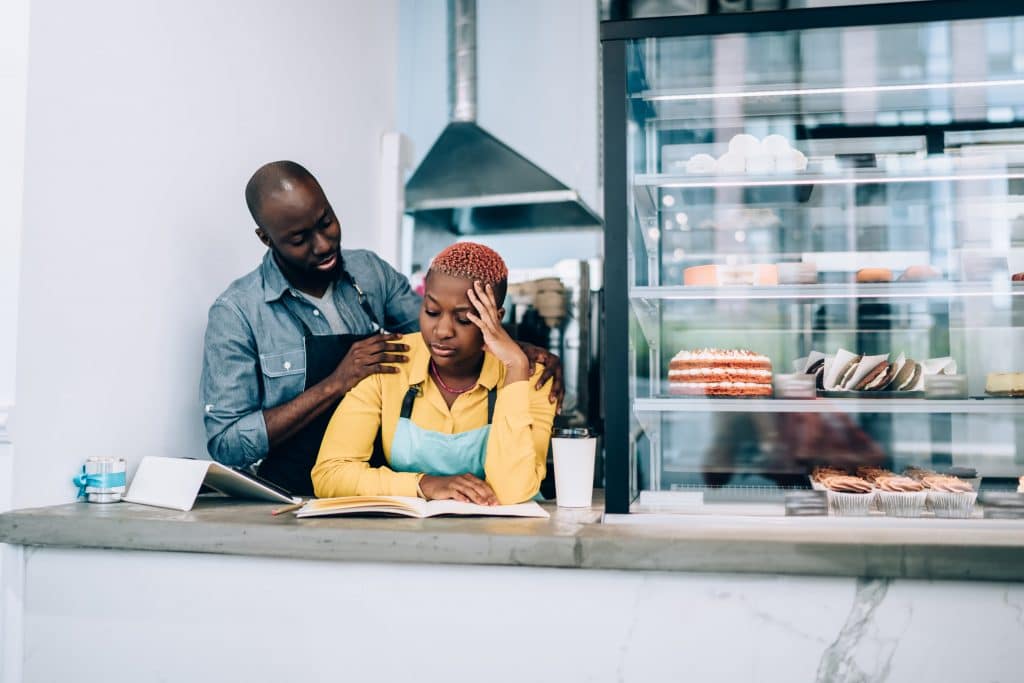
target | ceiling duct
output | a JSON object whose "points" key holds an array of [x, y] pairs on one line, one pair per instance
{"points": [[472, 181]]}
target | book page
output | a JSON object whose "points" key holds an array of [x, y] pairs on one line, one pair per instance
{"points": [[397, 505], [454, 507]]}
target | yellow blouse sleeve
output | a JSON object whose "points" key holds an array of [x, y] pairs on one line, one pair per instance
{"points": [[343, 465], [517, 448]]}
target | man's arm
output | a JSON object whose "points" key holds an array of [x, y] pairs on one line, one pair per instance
{"points": [[236, 434], [239, 431], [366, 357]]}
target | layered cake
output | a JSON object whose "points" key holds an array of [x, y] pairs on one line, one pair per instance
{"points": [[716, 372]]}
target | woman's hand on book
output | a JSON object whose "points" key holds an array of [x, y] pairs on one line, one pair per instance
{"points": [[462, 487], [496, 339]]}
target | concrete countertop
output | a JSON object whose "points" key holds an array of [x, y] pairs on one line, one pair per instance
{"points": [[869, 547]]}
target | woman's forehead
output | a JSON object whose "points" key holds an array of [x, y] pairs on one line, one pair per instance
{"points": [[447, 288]]}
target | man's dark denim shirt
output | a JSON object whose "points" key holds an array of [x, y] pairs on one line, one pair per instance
{"points": [[254, 357]]}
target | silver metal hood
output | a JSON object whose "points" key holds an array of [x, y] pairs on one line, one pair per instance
{"points": [[470, 180]]}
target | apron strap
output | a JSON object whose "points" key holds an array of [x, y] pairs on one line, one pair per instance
{"points": [[410, 396], [414, 391], [363, 303], [492, 397]]}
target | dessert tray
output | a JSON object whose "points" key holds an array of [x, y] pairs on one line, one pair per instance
{"points": [[843, 393]]}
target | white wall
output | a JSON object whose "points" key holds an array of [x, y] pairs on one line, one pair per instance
{"points": [[14, 36], [14, 16], [13, 72], [145, 119]]}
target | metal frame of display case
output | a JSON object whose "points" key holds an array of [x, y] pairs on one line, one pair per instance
{"points": [[615, 37]]}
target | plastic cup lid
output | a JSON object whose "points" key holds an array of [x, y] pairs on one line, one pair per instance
{"points": [[571, 433]]}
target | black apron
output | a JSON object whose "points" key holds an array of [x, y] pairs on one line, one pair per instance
{"points": [[289, 463]]}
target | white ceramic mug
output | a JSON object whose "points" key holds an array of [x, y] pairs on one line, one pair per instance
{"points": [[574, 452]]}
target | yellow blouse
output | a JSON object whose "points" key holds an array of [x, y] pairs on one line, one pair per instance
{"points": [[516, 457]]}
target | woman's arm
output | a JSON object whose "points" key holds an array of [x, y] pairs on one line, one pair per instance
{"points": [[517, 448], [343, 465]]}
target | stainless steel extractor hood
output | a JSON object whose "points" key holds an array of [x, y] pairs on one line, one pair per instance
{"points": [[470, 180]]}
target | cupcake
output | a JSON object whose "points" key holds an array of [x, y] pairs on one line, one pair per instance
{"points": [[822, 471], [872, 473], [967, 474], [918, 473], [848, 496], [900, 496], [949, 496]]}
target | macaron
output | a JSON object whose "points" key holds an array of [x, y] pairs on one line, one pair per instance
{"points": [[873, 380], [847, 372], [907, 377]]}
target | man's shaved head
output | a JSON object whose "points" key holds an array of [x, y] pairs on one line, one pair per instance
{"points": [[296, 222], [277, 176]]}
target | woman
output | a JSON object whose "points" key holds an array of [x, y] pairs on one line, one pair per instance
{"points": [[461, 419]]}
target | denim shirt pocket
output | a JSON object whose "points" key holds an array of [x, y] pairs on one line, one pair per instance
{"points": [[284, 375]]}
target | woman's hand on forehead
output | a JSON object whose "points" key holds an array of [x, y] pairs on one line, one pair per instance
{"points": [[496, 340]]}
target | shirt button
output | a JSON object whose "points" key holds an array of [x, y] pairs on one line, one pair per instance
{"points": [[209, 407], [287, 365], [316, 312]]}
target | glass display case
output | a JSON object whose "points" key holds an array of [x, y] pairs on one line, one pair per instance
{"points": [[814, 234]]}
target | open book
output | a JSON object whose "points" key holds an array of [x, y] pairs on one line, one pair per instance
{"points": [[413, 507]]}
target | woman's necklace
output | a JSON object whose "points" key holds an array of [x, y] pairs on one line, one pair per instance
{"points": [[450, 390]]}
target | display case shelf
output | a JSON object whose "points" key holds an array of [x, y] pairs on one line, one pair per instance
{"points": [[851, 177], [893, 290], [977, 406]]}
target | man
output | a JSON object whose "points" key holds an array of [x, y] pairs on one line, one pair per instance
{"points": [[286, 342]]}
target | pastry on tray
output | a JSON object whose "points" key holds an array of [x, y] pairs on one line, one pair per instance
{"points": [[900, 496], [865, 275], [1004, 384], [848, 495], [714, 275], [920, 274], [949, 496]]}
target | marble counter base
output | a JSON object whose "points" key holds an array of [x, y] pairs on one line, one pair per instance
{"points": [[187, 617], [870, 548]]}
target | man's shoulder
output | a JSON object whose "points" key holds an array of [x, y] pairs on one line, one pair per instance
{"points": [[360, 259], [243, 292]]}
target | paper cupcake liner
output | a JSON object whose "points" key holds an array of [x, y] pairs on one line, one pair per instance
{"points": [[849, 504], [951, 504], [901, 503]]}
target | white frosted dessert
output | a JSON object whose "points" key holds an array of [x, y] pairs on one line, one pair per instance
{"points": [[701, 164]]}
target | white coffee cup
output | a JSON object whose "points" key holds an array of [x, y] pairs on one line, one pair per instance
{"points": [[574, 451]]}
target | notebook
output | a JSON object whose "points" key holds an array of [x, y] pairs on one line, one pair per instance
{"points": [[175, 482], [413, 507]]}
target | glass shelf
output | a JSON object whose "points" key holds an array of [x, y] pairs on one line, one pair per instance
{"points": [[894, 290], [860, 177], [982, 406]]}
